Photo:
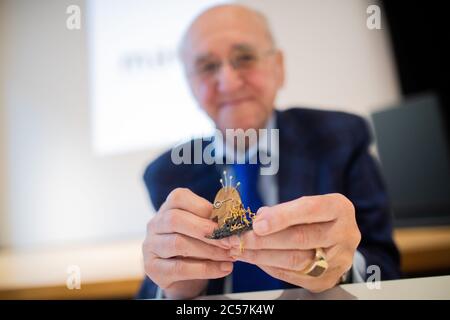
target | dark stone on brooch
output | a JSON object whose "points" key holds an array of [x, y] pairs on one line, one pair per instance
{"points": [[231, 227]]}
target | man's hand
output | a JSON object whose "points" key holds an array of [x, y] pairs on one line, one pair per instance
{"points": [[284, 237], [177, 256]]}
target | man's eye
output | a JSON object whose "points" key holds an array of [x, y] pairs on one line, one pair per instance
{"points": [[245, 60], [207, 68]]}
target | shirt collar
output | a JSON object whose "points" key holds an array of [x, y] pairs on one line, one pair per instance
{"points": [[222, 150]]}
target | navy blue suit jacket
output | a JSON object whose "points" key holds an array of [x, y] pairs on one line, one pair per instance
{"points": [[320, 152]]}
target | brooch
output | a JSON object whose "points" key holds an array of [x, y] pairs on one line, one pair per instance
{"points": [[229, 212]]}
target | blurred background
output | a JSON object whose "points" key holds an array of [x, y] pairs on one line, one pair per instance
{"points": [[86, 104]]}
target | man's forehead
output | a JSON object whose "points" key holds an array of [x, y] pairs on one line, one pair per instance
{"points": [[203, 47], [200, 55], [221, 29]]}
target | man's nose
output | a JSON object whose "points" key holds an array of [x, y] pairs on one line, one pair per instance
{"points": [[229, 79]]}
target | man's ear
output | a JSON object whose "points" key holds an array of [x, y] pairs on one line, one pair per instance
{"points": [[279, 68]]}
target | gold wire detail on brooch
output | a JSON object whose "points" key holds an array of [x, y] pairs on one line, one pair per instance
{"points": [[229, 212]]}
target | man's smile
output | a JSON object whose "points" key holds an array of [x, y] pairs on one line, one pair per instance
{"points": [[235, 102]]}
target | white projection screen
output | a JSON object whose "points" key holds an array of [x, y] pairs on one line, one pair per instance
{"points": [[139, 97]]}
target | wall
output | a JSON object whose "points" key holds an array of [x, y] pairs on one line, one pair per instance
{"points": [[4, 230], [59, 192], [332, 59]]}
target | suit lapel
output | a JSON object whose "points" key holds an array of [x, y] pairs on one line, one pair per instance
{"points": [[297, 172]]}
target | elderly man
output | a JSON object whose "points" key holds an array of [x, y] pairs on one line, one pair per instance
{"points": [[326, 203]]}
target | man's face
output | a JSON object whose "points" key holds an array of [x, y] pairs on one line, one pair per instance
{"points": [[233, 70]]}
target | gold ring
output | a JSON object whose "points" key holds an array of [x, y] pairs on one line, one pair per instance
{"points": [[318, 266]]}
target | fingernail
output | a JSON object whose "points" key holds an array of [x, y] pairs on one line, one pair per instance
{"points": [[260, 210], [226, 266], [261, 226]]}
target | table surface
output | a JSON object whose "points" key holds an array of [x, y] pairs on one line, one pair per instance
{"points": [[115, 270], [435, 288]]}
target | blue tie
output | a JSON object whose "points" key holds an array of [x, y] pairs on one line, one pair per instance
{"points": [[248, 277]]}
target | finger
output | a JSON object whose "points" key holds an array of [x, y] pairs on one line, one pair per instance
{"points": [[286, 259], [185, 199], [303, 237], [315, 284], [296, 260], [305, 210], [169, 271], [184, 222], [174, 244], [338, 264]]}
